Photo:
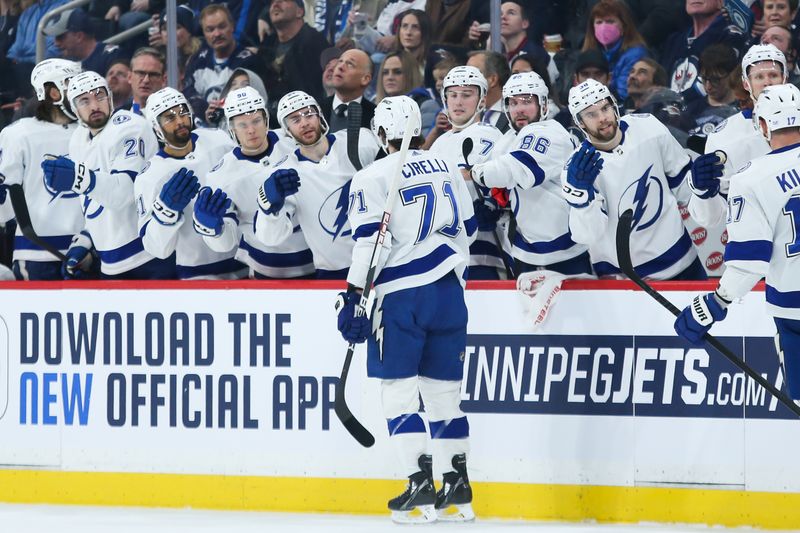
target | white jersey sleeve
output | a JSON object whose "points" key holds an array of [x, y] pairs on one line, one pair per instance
{"points": [[274, 229], [676, 161], [159, 239]]}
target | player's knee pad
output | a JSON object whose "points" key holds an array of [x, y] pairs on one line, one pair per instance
{"points": [[442, 398], [399, 397]]}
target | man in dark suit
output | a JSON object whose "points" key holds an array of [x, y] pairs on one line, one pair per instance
{"points": [[351, 77]]}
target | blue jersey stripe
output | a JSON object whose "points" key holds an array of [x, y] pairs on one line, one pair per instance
{"points": [[365, 230], [564, 242], [676, 252], [61, 242], [417, 266], [748, 251], [530, 163], [123, 252], [790, 299], [227, 266], [675, 181], [278, 260]]}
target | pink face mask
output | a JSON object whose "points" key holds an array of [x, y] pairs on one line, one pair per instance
{"points": [[606, 33]]}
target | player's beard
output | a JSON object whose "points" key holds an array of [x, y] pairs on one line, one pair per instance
{"points": [[601, 137], [179, 137], [97, 120], [315, 139]]}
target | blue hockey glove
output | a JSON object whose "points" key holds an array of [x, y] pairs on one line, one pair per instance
{"points": [[282, 183], [487, 213], [209, 210], [706, 172], [62, 174], [583, 169], [354, 329], [697, 318], [78, 258], [175, 195]]}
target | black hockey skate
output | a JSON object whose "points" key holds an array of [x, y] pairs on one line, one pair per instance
{"points": [[416, 504], [454, 499]]}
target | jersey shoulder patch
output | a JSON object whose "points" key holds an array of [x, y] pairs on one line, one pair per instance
{"points": [[120, 119], [744, 167], [218, 165], [721, 126]]}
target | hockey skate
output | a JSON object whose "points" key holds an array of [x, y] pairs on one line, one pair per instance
{"points": [[416, 504], [454, 499]]}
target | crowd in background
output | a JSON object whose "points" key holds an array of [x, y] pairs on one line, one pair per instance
{"points": [[676, 60]]}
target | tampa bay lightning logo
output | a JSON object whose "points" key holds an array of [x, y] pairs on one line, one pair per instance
{"points": [[54, 194], [646, 196], [333, 213], [120, 119], [87, 203]]}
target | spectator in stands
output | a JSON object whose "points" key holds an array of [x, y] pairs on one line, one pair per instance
{"points": [[148, 75], [785, 41], [645, 74], [328, 60], [523, 63], [10, 11], [397, 75], [681, 54], [451, 21], [589, 64], [414, 36], [241, 77], [717, 62], [209, 69], [118, 79], [656, 20], [611, 30], [775, 13], [351, 77], [75, 39], [494, 67], [23, 51], [514, 24], [288, 58], [188, 44]]}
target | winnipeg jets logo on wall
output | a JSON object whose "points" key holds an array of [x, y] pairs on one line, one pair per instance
{"points": [[646, 197], [333, 213]]}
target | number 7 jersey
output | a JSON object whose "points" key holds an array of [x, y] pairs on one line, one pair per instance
{"points": [[431, 227]]}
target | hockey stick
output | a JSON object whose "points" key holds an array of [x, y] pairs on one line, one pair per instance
{"points": [[17, 195], [624, 229], [353, 426], [466, 149], [353, 130]]}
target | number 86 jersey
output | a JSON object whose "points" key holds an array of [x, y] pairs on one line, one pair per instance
{"points": [[431, 227]]}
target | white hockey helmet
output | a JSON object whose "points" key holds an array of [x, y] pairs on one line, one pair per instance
{"points": [[161, 101], [779, 107], [295, 101], [586, 94], [86, 82], [526, 83], [762, 52], [391, 116], [58, 72], [465, 76], [241, 101]]}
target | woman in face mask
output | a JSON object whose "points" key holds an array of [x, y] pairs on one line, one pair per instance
{"points": [[612, 30]]}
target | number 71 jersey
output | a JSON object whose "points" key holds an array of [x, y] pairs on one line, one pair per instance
{"points": [[432, 222]]}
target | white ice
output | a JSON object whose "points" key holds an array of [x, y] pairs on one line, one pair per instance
{"points": [[75, 519]]}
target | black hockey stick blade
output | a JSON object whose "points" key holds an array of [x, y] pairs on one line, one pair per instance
{"points": [[350, 423], [20, 206], [466, 149], [353, 130], [624, 228]]}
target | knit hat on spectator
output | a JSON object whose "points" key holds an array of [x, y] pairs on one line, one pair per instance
{"points": [[328, 55], [591, 58], [70, 20], [184, 16]]}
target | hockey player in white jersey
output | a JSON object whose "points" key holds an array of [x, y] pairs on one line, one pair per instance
{"points": [[736, 140], [225, 216], [629, 163], [105, 155], [322, 166], [532, 171], [418, 331], [166, 188], [464, 98], [23, 145], [764, 214]]}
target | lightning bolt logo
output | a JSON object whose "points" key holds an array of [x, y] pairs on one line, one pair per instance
{"points": [[377, 329], [342, 205], [640, 205]]}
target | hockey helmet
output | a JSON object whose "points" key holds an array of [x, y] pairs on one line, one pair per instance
{"points": [[779, 107], [762, 52], [523, 83], [87, 82], [55, 71], [295, 101], [161, 101], [586, 94], [465, 76], [391, 116]]}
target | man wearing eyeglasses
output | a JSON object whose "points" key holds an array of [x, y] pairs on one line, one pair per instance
{"points": [[165, 190], [320, 206], [147, 75]]}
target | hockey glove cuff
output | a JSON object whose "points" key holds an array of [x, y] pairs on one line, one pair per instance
{"points": [[352, 321], [697, 318]]}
